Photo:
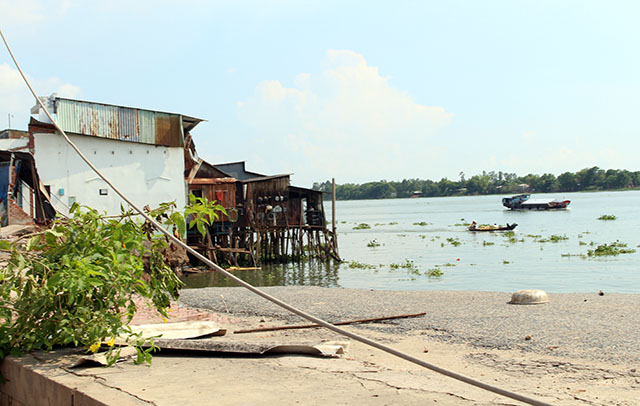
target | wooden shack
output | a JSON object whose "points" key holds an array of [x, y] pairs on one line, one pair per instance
{"points": [[267, 220]]}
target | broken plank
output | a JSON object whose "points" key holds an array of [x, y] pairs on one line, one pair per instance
{"points": [[340, 323]]}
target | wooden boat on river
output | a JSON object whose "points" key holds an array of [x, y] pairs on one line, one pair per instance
{"points": [[475, 227]]}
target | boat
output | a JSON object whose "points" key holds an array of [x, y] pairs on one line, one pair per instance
{"points": [[475, 227], [523, 202]]}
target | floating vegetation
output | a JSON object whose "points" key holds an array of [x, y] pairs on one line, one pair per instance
{"points": [[509, 234], [401, 235], [378, 224], [554, 238], [447, 264], [487, 243], [408, 264], [422, 224], [533, 236], [504, 261], [423, 236], [453, 241], [613, 249], [434, 273], [373, 243], [607, 217], [582, 243], [360, 265], [362, 226], [393, 223]]}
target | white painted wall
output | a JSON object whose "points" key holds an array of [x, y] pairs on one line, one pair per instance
{"points": [[14, 144], [147, 174]]}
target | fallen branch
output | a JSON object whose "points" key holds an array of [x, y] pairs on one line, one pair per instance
{"points": [[340, 323]]}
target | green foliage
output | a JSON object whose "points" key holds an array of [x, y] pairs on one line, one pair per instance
{"points": [[487, 243], [78, 282], [434, 273], [422, 223], [360, 265], [607, 217], [491, 182], [554, 238], [613, 249], [454, 241], [362, 226], [75, 283], [202, 213], [408, 264]]}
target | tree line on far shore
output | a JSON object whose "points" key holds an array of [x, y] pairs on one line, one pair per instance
{"points": [[588, 179]]}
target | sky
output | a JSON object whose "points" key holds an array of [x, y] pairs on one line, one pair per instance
{"points": [[357, 91]]}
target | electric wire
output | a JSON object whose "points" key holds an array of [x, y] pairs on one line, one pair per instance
{"points": [[265, 295]]}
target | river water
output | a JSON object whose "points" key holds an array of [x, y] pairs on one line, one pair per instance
{"points": [[428, 234]]}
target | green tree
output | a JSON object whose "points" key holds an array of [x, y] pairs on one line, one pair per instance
{"points": [[568, 182]]}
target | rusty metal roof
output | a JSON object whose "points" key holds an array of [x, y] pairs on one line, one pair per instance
{"points": [[212, 181], [123, 123]]}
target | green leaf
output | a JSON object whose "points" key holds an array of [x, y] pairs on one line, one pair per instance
{"points": [[5, 245], [33, 242], [201, 228], [179, 221]]}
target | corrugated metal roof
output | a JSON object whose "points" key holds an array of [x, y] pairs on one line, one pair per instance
{"points": [[123, 123]]}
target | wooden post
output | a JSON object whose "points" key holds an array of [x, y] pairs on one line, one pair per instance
{"points": [[333, 205], [334, 239], [301, 241]]}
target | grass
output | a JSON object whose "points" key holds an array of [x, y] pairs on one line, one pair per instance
{"points": [[607, 217]]}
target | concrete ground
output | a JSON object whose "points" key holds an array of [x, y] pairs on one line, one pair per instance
{"points": [[361, 376]]}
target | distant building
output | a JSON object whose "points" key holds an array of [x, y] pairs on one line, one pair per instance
{"points": [[14, 140], [141, 151]]}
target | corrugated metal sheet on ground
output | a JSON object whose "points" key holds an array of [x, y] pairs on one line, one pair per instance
{"points": [[121, 123]]}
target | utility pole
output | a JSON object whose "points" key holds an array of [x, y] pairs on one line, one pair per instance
{"points": [[9, 117]]}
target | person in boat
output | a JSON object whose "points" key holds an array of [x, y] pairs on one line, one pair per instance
{"points": [[473, 225]]}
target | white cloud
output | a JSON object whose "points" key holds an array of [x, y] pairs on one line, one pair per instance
{"points": [[30, 12], [347, 121], [17, 100]]}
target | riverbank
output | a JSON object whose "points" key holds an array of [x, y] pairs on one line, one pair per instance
{"points": [[579, 349], [579, 325]]}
